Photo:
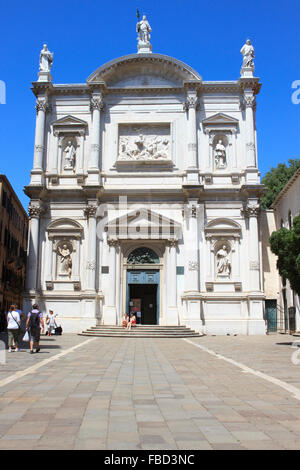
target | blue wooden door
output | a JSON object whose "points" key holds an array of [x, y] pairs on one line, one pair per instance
{"points": [[143, 277]]}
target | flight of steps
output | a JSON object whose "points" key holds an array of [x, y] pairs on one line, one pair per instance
{"points": [[141, 331]]}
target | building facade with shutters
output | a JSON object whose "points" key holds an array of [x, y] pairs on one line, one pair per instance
{"points": [[13, 246]]}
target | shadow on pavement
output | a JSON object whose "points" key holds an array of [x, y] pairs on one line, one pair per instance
{"points": [[290, 343]]}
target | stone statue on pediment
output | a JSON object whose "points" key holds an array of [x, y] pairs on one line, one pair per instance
{"points": [[248, 54], [46, 59], [143, 29]]}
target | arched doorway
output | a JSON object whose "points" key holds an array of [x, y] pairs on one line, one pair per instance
{"points": [[143, 283]]}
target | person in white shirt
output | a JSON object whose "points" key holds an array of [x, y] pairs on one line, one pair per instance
{"points": [[13, 328], [50, 322]]}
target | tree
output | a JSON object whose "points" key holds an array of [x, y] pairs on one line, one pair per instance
{"points": [[286, 245], [275, 180]]}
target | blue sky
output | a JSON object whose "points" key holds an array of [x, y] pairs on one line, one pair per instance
{"points": [[206, 35]]}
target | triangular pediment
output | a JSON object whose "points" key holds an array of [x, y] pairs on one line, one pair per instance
{"points": [[143, 224], [220, 118], [69, 121]]}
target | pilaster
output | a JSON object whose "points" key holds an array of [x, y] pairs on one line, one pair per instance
{"points": [[96, 106]]}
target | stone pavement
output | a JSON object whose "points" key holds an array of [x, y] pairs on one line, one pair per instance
{"points": [[151, 394]]}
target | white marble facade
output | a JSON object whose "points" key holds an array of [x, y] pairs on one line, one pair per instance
{"points": [[147, 155]]}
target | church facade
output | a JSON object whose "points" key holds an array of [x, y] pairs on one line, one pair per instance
{"points": [[145, 197]]}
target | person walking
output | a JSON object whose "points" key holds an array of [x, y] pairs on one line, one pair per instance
{"points": [[33, 324], [50, 322], [13, 328]]}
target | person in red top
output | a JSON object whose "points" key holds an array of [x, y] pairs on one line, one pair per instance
{"points": [[132, 321]]}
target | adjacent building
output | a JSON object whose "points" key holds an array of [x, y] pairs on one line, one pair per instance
{"points": [[13, 246], [285, 208], [145, 195]]}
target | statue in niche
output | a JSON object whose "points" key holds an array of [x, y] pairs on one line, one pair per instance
{"points": [[223, 262], [46, 59], [143, 29], [248, 54], [69, 155], [65, 266], [220, 155]]}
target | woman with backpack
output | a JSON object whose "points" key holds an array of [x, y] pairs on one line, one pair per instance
{"points": [[13, 328], [33, 323]]}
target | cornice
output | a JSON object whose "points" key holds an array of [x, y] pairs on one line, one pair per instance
{"points": [[148, 58], [44, 88], [201, 88], [290, 183], [252, 83]]}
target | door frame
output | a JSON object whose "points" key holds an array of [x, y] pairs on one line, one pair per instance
{"points": [[142, 271], [127, 247]]}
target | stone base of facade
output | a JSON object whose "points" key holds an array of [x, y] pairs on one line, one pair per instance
{"points": [[109, 316], [74, 313]]}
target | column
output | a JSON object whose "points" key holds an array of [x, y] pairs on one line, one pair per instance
{"points": [[90, 213], [79, 162], [33, 247], [39, 143], [249, 100], [172, 310], [118, 283], [256, 324], [191, 246], [49, 262], [96, 106], [56, 158], [190, 106], [109, 309], [191, 296], [252, 211]]}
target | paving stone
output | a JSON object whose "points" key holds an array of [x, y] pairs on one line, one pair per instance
{"points": [[111, 394]]}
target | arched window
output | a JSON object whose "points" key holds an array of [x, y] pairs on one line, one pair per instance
{"points": [[143, 255]]}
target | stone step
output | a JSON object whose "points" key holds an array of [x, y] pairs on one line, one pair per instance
{"points": [[140, 335], [140, 331]]}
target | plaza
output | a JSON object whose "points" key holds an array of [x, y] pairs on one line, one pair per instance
{"points": [[213, 392]]}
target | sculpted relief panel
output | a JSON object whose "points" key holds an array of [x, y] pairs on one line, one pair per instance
{"points": [[144, 142]]}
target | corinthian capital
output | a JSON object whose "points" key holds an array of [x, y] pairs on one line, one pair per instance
{"points": [[191, 102], [251, 210], [34, 211], [112, 242], [97, 103], [249, 101], [90, 211], [42, 105]]}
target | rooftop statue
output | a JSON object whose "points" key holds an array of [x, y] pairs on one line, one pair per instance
{"points": [[143, 29], [46, 59], [248, 54]]}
